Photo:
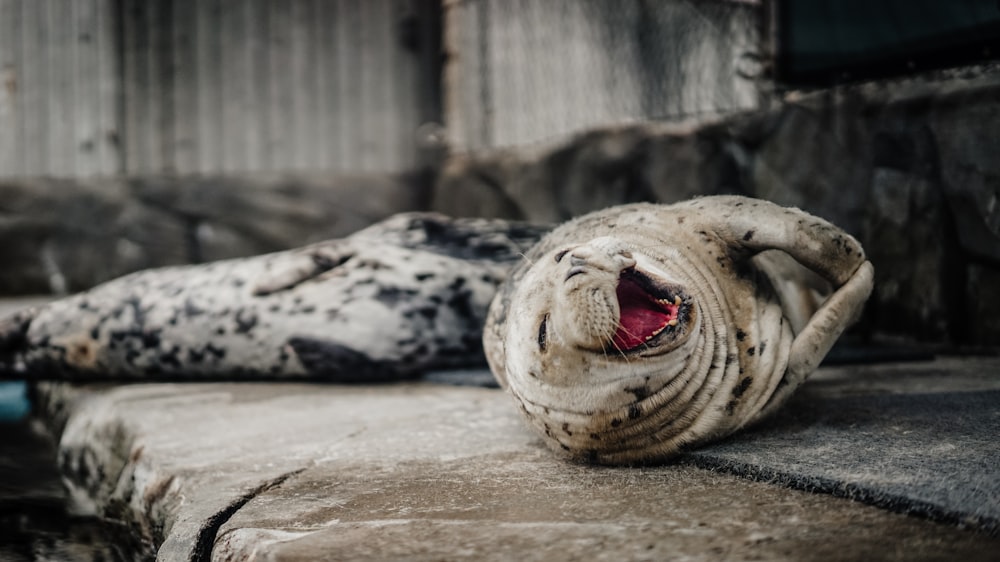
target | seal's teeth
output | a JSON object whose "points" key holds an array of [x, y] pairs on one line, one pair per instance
{"points": [[654, 334], [677, 301], [673, 322]]}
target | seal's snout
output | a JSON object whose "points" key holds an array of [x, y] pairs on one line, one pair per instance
{"points": [[600, 255]]}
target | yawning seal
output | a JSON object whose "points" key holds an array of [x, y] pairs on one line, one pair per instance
{"points": [[632, 333]]}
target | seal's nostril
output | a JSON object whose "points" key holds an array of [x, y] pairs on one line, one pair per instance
{"points": [[577, 260]]}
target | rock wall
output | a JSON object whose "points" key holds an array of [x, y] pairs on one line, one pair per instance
{"points": [[59, 236], [910, 168]]}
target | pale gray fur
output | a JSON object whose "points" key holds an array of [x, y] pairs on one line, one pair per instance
{"points": [[402, 296]]}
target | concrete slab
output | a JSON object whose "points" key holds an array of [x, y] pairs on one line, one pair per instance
{"points": [[915, 437], [424, 471]]}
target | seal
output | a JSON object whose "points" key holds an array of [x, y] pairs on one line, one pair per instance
{"points": [[633, 333], [390, 301]]}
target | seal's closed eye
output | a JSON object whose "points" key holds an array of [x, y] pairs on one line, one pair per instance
{"points": [[542, 333]]}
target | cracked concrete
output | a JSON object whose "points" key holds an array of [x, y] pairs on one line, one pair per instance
{"points": [[424, 471]]}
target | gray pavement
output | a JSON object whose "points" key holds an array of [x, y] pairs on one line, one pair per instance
{"points": [[426, 471]]}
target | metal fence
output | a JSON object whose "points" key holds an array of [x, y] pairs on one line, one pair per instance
{"points": [[524, 71], [182, 86], [105, 87]]}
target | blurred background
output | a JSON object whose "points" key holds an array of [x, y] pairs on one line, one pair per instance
{"points": [[141, 133]]}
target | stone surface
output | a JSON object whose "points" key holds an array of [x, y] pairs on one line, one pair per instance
{"points": [[425, 471], [885, 435], [59, 236]]}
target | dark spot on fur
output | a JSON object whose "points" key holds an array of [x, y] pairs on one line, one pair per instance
{"points": [[730, 358], [340, 363], [151, 339], [390, 296], [595, 437], [131, 355], [740, 335], [195, 356], [217, 352], [423, 276], [565, 428], [462, 307], [751, 350], [731, 407], [763, 345], [639, 392], [170, 358], [748, 235], [742, 387], [191, 310], [373, 265], [634, 411], [564, 446], [616, 422], [245, 321]]}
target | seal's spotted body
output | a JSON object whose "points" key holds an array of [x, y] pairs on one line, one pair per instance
{"points": [[634, 332], [399, 297]]}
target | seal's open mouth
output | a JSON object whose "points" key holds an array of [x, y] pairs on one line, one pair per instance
{"points": [[647, 310]]}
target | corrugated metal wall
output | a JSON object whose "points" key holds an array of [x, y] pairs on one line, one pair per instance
{"points": [[524, 71], [184, 86], [58, 100], [215, 86]]}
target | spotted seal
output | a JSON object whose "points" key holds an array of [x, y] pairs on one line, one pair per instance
{"points": [[635, 332], [400, 297]]}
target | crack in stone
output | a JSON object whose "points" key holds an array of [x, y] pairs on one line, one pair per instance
{"points": [[209, 532]]}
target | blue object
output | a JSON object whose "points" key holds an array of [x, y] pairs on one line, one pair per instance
{"points": [[14, 404]]}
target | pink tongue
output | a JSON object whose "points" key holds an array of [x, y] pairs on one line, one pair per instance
{"points": [[641, 316]]}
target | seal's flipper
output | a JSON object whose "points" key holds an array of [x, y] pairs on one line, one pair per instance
{"points": [[308, 263], [814, 342], [755, 226]]}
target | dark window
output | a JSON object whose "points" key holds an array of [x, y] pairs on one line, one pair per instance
{"points": [[823, 42]]}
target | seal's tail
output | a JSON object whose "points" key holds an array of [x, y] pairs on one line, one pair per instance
{"points": [[14, 341]]}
